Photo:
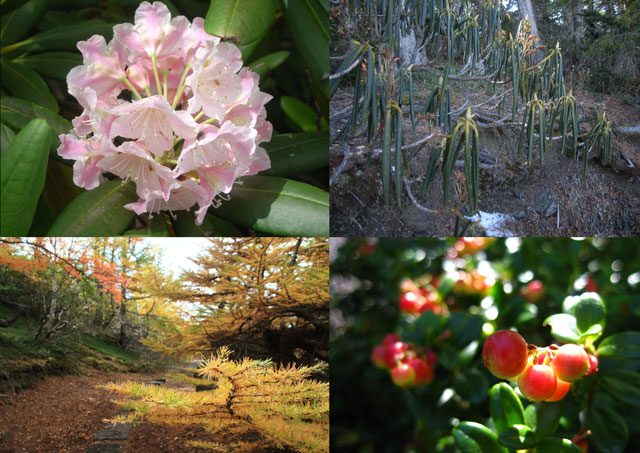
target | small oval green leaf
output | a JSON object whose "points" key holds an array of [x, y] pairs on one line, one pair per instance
{"points": [[589, 311], [621, 346], [556, 445], [548, 418], [563, 327], [518, 437], [27, 84], [471, 437], [24, 167], [97, 212], [505, 406], [609, 431], [624, 385], [278, 206], [243, 21]]}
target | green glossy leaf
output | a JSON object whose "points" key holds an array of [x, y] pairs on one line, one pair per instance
{"points": [[278, 206], [464, 328], [624, 385], [16, 113], [19, 22], [263, 66], [518, 437], [27, 84], [185, 225], [300, 114], [97, 212], [10, 5], [243, 21], [308, 23], [59, 188], [621, 346], [589, 311], [563, 327], [66, 38], [293, 154], [24, 166], [548, 416], [471, 437], [609, 431], [505, 406], [591, 335], [6, 135], [51, 64], [157, 228], [556, 445]]}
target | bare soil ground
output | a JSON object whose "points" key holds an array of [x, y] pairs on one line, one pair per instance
{"points": [[605, 203]]}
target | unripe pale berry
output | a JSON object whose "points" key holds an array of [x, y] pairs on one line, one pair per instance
{"points": [[570, 362], [538, 382], [403, 375], [505, 354]]}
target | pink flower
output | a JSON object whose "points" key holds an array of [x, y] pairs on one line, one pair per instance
{"points": [[154, 121], [191, 124]]}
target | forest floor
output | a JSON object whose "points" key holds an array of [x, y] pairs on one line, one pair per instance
{"points": [[537, 200], [62, 414]]}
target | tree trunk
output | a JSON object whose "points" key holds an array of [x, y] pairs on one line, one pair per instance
{"points": [[526, 9], [123, 322]]}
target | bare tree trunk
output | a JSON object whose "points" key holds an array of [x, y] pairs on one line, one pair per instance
{"points": [[526, 10], [123, 322]]}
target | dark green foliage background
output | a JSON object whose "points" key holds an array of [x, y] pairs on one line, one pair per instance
{"points": [[369, 413]]}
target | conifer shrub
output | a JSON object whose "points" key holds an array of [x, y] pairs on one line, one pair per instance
{"points": [[279, 406]]}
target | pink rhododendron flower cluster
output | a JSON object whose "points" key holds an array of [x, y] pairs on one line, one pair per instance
{"points": [[169, 107]]}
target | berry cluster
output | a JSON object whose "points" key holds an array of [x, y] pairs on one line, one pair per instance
{"points": [[543, 374], [410, 367], [417, 300], [469, 246]]}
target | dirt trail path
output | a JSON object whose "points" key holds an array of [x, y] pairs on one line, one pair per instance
{"points": [[62, 414]]}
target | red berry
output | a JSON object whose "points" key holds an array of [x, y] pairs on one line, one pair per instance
{"points": [[424, 372], [390, 338], [538, 382], [562, 388], [505, 354], [593, 365], [533, 291], [570, 363], [411, 302], [378, 356], [591, 285], [403, 375], [395, 353]]}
